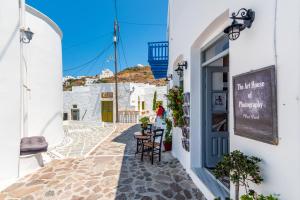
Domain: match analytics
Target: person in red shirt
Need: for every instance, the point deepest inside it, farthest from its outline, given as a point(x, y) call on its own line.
point(160, 112)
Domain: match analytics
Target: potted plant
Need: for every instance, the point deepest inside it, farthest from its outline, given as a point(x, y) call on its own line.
point(241, 169)
point(254, 196)
point(175, 103)
point(168, 136)
point(144, 122)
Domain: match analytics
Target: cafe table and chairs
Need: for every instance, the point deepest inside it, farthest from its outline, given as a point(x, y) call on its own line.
point(153, 146)
point(143, 136)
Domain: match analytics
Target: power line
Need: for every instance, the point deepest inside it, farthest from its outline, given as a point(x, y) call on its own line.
point(141, 24)
point(87, 41)
point(123, 50)
point(95, 63)
point(90, 61)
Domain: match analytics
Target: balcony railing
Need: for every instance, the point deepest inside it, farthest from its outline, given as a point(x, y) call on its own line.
point(158, 58)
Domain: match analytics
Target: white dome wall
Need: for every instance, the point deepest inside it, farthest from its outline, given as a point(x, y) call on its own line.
point(44, 63)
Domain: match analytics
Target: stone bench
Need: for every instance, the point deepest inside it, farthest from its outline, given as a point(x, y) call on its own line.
point(34, 146)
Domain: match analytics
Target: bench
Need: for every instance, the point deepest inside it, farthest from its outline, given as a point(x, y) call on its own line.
point(34, 146)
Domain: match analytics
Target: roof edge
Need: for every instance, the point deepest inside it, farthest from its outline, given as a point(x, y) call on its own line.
point(44, 17)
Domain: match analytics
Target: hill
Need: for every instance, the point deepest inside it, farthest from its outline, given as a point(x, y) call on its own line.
point(136, 75)
point(132, 74)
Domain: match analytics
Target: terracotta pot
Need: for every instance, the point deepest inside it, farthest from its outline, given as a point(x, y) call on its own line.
point(168, 146)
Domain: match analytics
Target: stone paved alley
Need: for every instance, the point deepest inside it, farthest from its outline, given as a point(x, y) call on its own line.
point(110, 172)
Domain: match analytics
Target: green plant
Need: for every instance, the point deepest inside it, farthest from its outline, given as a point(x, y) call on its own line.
point(154, 101)
point(241, 169)
point(145, 121)
point(168, 136)
point(252, 195)
point(175, 103)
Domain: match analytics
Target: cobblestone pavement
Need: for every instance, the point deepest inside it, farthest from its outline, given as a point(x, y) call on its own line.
point(80, 138)
point(107, 175)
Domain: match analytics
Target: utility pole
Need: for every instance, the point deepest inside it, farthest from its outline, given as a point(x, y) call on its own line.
point(116, 69)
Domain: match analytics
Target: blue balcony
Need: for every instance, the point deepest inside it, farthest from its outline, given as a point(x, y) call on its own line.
point(158, 58)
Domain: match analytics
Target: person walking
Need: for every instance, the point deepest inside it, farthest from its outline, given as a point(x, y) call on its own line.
point(160, 114)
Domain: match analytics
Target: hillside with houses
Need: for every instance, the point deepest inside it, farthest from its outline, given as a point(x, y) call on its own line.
point(137, 74)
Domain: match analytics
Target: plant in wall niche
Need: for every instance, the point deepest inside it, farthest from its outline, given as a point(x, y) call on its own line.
point(145, 121)
point(241, 169)
point(175, 103)
point(168, 136)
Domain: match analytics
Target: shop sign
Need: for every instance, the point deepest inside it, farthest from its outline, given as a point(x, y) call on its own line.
point(255, 105)
point(107, 95)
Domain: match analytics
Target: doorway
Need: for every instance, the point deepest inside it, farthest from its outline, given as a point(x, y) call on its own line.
point(216, 115)
point(75, 114)
point(215, 70)
point(107, 111)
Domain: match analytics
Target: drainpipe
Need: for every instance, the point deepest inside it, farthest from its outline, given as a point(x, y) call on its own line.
point(22, 106)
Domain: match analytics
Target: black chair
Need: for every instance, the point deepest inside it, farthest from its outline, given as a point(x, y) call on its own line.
point(153, 146)
point(148, 129)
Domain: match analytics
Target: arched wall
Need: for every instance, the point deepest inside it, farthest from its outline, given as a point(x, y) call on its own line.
point(43, 58)
point(212, 31)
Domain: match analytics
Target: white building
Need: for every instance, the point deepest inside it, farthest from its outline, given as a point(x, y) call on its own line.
point(107, 73)
point(90, 81)
point(196, 36)
point(31, 85)
point(97, 102)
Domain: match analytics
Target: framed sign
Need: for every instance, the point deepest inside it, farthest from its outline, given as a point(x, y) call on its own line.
point(107, 95)
point(219, 101)
point(255, 105)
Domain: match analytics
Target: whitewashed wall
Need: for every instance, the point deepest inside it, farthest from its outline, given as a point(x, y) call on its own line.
point(196, 22)
point(281, 164)
point(43, 59)
point(10, 87)
point(88, 98)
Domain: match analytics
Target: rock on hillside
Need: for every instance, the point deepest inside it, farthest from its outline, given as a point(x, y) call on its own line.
point(136, 75)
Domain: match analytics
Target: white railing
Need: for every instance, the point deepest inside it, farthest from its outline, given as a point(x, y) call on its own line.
point(128, 116)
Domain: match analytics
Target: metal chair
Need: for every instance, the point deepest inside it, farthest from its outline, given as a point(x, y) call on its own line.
point(147, 129)
point(153, 146)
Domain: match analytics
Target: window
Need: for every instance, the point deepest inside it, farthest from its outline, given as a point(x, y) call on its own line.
point(143, 105)
point(65, 116)
point(216, 48)
point(74, 106)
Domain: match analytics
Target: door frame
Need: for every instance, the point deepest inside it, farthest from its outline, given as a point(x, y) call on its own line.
point(206, 102)
point(203, 66)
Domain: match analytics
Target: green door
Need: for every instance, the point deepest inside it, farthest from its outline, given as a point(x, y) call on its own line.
point(107, 111)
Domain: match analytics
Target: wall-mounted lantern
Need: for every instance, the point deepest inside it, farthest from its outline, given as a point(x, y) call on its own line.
point(180, 68)
point(179, 71)
point(183, 64)
point(26, 35)
point(247, 16)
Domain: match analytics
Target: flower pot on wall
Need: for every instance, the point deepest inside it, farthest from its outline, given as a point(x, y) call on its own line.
point(168, 146)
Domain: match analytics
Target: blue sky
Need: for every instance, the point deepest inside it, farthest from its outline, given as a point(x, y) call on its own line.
point(87, 26)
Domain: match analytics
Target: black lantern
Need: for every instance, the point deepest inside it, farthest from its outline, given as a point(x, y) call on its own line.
point(26, 35)
point(247, 16)
point(179, 70)
point(183, 64)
